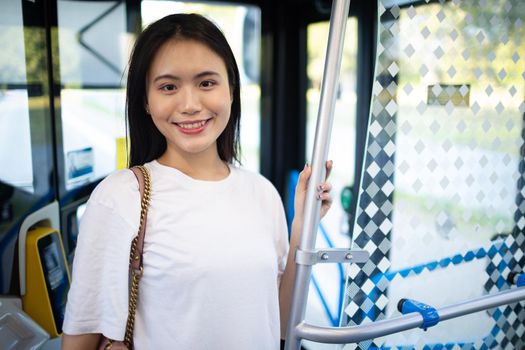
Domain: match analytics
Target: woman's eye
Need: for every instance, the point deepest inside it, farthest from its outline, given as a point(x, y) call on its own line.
point(207, 83)
point(169, 87)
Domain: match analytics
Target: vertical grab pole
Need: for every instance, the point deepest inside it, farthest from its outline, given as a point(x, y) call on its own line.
point(323, 130)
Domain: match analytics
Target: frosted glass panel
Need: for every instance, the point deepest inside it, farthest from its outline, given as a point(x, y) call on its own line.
point(441, 206)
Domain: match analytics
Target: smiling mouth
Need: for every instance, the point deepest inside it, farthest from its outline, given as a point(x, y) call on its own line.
point(192, 125)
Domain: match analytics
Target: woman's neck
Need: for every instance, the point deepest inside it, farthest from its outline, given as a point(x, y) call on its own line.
point(198, 167)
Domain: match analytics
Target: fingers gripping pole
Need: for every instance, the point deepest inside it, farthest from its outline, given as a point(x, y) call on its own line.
point(320, 153)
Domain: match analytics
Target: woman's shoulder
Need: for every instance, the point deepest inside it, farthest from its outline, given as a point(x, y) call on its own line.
point(257, 181)
point(252, 176)
point(119, 187)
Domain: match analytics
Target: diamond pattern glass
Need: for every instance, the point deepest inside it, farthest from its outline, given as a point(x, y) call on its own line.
point(441, 207)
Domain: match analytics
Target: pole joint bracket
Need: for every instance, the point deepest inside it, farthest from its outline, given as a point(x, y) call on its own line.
point(331, 255)
point(429, 313)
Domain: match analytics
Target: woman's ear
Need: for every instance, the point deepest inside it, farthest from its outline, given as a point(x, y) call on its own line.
point(146, 106)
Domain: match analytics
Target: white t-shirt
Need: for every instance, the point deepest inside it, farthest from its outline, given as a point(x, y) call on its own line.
point(213, 255)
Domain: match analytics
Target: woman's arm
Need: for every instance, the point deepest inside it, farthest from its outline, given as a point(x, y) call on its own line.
point(288, 277)
point(80, 342)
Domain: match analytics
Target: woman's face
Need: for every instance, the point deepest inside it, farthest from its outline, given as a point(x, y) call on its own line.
point(189, 97)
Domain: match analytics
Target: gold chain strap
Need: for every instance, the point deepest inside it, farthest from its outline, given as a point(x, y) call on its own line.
point(137, 274)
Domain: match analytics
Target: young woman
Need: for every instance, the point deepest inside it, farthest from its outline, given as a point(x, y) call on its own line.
point(216, 270)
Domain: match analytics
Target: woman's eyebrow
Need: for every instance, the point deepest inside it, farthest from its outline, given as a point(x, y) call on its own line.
point(174, 77)
point(166, 76)
point(206, 73)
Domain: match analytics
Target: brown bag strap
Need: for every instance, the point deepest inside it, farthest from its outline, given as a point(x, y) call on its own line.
point(137, 247)
point(143, 177)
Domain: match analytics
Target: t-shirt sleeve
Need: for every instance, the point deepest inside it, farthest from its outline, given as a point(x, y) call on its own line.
point(282, 244)
point(98, 296)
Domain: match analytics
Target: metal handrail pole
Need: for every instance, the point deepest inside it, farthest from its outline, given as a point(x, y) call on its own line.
point(355, 334)
point(312, 207)
point(482, 303)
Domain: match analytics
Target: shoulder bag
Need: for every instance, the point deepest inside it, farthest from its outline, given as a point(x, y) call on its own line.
point(135, 264)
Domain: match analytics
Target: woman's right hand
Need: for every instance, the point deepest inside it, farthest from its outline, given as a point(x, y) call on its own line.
point(323, 188)
point(80, 342)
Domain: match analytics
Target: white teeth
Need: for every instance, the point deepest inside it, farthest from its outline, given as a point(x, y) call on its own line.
point(192, 125)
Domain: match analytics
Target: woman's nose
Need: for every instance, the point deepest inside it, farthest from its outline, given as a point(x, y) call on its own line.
point(190, 101)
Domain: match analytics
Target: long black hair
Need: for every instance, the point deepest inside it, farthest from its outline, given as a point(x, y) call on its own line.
point(146, 141)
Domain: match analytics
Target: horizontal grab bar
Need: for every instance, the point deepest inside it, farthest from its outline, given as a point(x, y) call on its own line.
point(355, 334)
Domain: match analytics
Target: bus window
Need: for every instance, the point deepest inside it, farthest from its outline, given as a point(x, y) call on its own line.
point(26, 154)
point(17, 167)
point(241, 26)
point(93, 50)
